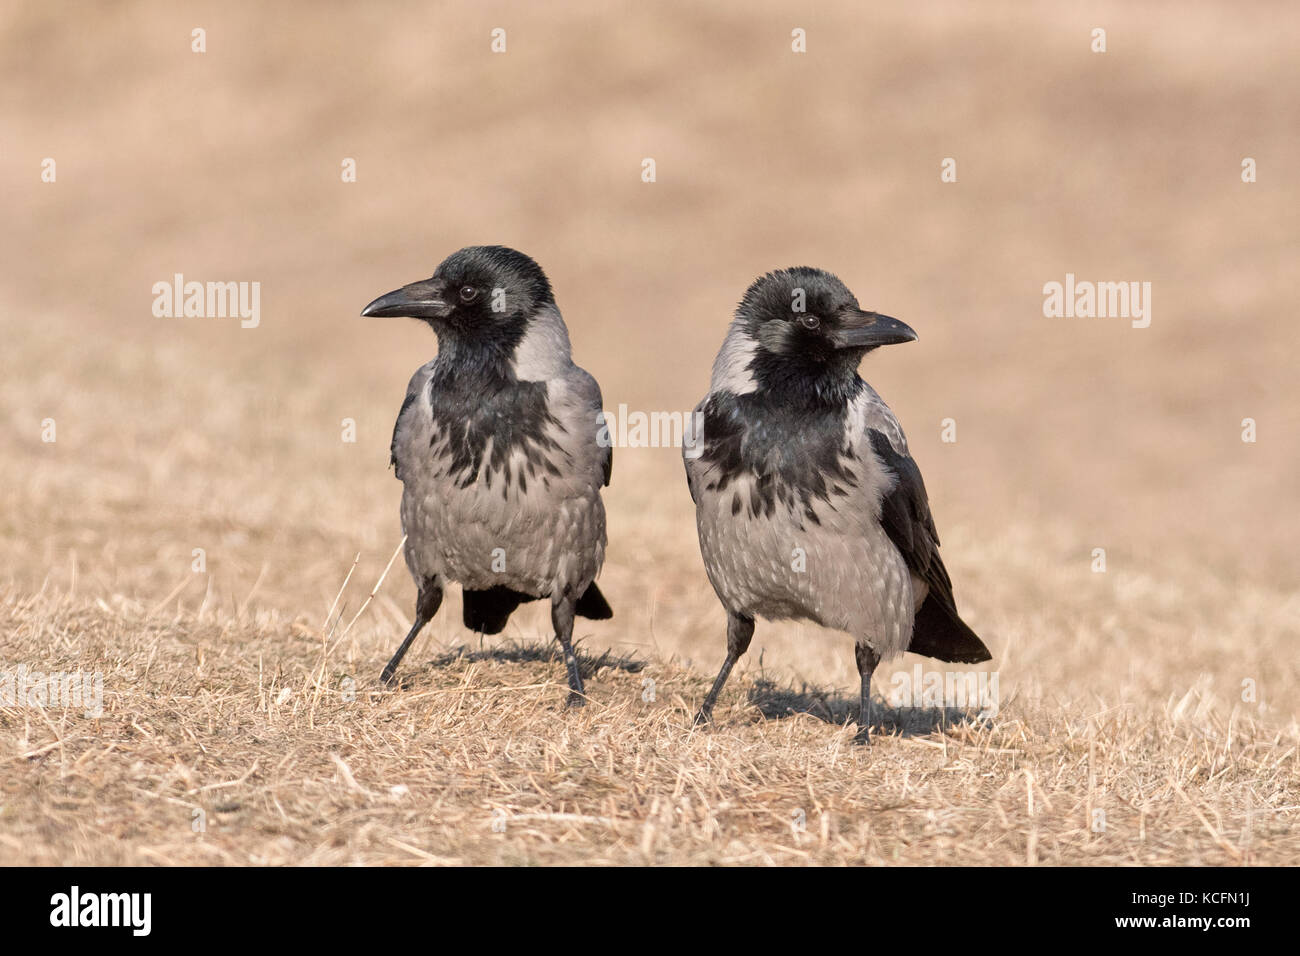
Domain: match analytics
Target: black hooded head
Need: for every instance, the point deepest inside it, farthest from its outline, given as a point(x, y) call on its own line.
point(809, 332)
point(479, 300)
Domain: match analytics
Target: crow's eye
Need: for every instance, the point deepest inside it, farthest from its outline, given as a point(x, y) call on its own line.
point(809, 321)
point(468, 294)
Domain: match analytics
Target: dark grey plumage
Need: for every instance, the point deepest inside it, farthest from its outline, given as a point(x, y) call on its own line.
point(808, 505)
point(496, 447)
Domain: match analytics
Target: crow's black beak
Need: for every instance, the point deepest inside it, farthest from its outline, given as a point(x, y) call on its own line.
point(866, 330)
point(419, 300)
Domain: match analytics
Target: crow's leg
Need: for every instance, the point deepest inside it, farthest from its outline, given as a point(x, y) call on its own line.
point(867, 661)
point(562, 611)
point(426, 606)
point(740, 631)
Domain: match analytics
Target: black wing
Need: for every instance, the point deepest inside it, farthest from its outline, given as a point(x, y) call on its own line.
point(905, 514)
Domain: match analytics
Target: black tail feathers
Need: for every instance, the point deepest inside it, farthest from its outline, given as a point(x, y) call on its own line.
point(940, 633)
point(593, 606)
point(488, 611)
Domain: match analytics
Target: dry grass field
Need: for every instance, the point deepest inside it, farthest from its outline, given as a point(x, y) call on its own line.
point(1147, 714)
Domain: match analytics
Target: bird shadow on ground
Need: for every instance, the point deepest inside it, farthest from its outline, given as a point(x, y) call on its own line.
point(775, 703)
point(513, 653)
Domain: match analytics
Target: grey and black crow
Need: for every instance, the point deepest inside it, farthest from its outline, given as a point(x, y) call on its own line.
point(496, 447)
point(807, 503)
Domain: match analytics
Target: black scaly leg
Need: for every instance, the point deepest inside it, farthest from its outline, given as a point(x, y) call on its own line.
point(562, 611)
point(426, 606)
point(740, 631)
point(867, 661)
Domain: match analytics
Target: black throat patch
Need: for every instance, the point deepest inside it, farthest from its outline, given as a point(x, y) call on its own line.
point(795, 453)
point(495, 427)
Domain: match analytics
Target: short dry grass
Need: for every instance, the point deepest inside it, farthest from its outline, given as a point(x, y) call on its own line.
point(248, 742)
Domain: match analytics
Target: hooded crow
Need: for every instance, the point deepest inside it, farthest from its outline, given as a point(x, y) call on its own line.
point(807, 503)
point(497, 451)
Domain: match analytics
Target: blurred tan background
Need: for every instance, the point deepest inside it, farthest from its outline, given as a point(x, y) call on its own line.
point(1073, 434)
